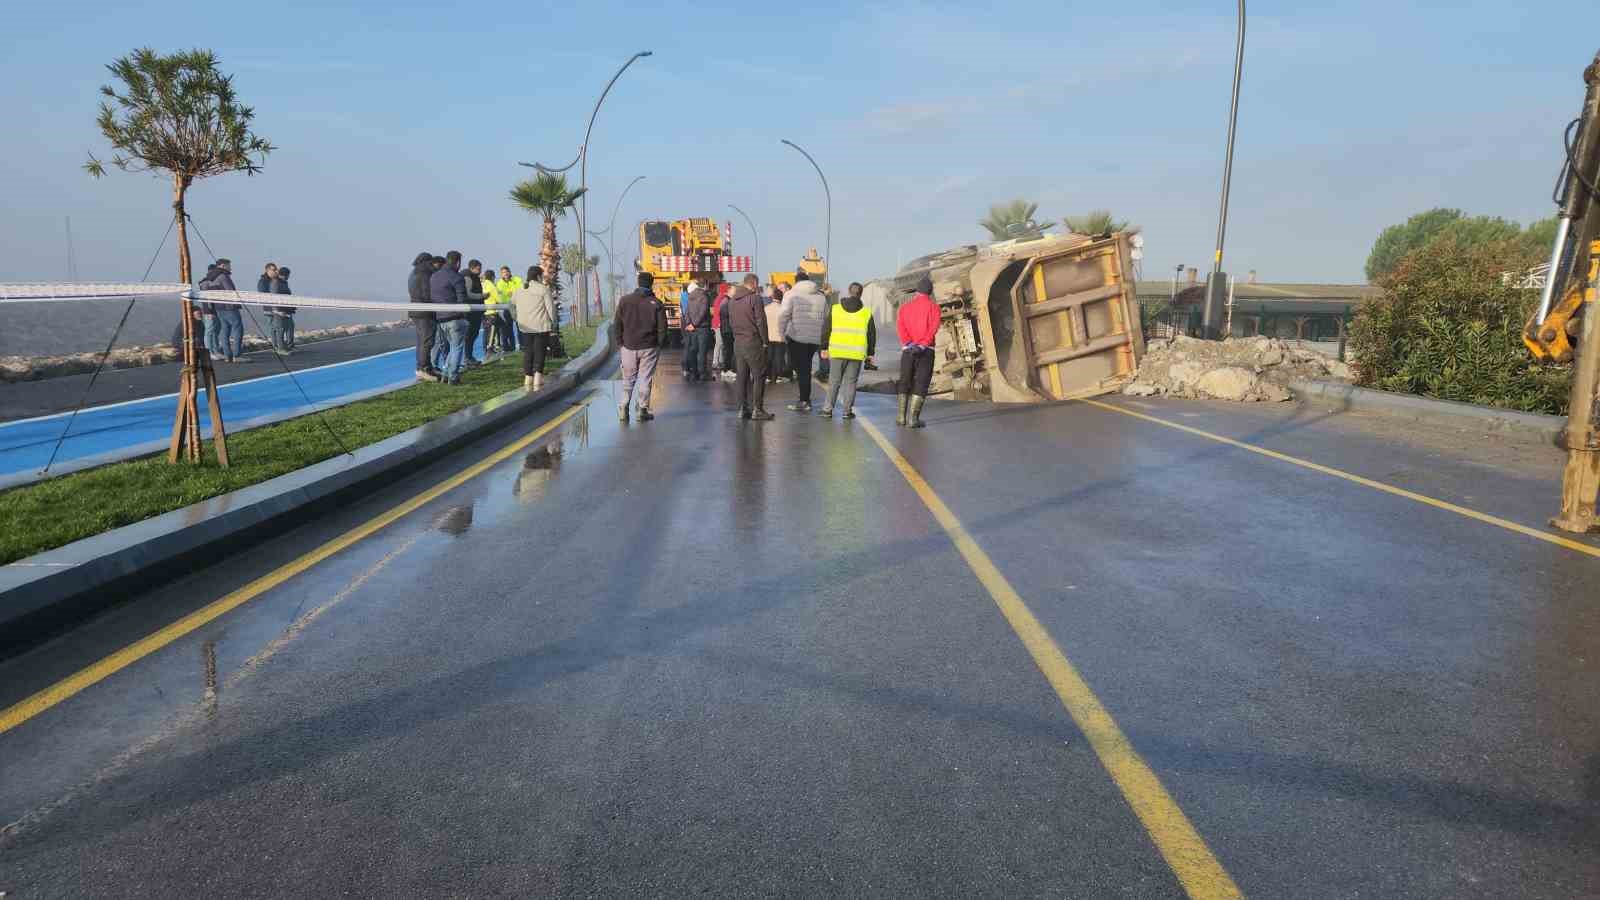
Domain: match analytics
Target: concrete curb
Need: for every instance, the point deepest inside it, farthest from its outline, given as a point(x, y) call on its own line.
point(44, 592)
point(1443, 412)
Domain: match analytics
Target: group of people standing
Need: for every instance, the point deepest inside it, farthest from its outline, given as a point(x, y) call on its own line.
point(742, 328)
point(223, 323)
point(446, 340)
point(275, 280)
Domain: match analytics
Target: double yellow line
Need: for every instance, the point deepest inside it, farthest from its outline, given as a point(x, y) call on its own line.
point(76, 683)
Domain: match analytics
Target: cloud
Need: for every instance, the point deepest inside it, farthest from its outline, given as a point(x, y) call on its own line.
point(954, 182)
point(903, 118)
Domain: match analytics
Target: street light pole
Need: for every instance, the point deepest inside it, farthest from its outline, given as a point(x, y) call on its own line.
point(1217, 286)
point(583, 177)
point(828, 242)
point(611, 269)
point(755, 239)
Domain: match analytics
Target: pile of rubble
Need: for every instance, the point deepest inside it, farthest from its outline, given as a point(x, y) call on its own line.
point(35, 368)
point(1247, 369)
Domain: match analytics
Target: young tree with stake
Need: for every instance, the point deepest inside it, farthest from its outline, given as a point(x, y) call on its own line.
point(177, 116)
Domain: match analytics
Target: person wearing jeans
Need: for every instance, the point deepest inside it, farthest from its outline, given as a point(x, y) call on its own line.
point(448, 285)
point(455, 332)
point(696, 330)
point(507, 285)
point(849, 339)
point(230, 321)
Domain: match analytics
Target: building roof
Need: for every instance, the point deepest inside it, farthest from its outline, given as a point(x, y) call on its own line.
point(1277, 293)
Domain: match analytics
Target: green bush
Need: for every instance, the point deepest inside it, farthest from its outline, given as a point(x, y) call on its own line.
point(1448, 326)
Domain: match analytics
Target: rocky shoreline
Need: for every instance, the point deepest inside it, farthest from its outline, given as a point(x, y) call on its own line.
point(36, 368)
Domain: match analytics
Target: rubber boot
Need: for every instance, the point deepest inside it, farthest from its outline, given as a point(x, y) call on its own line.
point(900, 417)
point(916, 411)
point(538, 381)
point(528, 383)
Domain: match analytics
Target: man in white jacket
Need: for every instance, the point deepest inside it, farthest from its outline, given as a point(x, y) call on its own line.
point(804, 310)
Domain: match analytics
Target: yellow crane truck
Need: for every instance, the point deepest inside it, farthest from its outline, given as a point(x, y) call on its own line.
point(680, 251)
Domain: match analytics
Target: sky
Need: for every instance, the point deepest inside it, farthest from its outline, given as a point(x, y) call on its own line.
point(400, 125)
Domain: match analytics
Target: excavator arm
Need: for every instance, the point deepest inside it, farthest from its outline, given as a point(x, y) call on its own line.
point(1566, 327)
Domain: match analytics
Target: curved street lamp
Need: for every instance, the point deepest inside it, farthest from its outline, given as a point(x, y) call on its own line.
point(755, 239)
point(828, 241)
point(1217, 287)
point(583, 175)
point(610, 268)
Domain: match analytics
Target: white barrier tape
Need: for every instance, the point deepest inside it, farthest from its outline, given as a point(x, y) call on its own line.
point(251, 298)
point(93, 290)
point(41, 291)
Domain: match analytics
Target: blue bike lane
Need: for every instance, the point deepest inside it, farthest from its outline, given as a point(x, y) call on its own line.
point(123, 430)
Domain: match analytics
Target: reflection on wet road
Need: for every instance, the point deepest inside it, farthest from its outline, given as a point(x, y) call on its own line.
point(705, 655)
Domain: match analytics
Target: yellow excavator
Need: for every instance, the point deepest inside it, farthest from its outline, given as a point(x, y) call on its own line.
point(813, 265)
point(1566, 328)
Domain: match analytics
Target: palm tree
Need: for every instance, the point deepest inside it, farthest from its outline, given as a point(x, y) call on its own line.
point(547, 194)
point(1098, 222)
point(1007, 221)
point(573, 264)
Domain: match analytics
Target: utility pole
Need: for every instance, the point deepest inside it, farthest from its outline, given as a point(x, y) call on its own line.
point(1217, 285)
point(1576, 267)
point(755, 240)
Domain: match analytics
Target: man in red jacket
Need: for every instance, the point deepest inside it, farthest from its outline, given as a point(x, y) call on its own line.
point(918, 325)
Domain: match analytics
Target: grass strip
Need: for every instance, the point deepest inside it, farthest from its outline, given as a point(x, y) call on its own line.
point(49, 514)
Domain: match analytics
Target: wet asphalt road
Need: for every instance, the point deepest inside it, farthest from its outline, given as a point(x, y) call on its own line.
point(705, 656)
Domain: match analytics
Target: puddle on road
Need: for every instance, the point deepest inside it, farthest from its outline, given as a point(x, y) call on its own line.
point(542, 464)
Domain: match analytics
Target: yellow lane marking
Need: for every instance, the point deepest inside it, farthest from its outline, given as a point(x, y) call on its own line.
point(116, 662)
point(1496, 521)
point(1201, 875)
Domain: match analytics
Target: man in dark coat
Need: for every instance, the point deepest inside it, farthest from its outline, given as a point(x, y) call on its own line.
point(639, 328)
point(750, 340)
point(427, 328)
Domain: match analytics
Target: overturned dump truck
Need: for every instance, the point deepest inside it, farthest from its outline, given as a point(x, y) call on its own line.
point(1053, 318)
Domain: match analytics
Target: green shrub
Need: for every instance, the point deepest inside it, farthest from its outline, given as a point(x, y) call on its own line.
point(1448, 326)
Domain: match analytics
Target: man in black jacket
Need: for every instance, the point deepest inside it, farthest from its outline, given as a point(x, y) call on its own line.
point(697, 334)
point(446, 285)
point(747, 312)
point(475, 294)
point(280, 285)
point(639, 327)
point(427, 329)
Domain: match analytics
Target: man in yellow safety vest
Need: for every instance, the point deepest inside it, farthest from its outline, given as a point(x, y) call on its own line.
point(849, 339)
point(507, 285)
